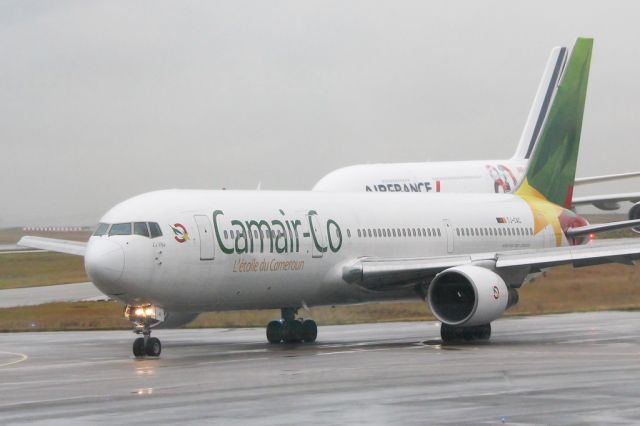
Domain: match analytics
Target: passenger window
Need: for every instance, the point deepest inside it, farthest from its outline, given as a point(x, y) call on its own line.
point(369, 232)
point(394, 232)
point(348, 232)
point(439, 234)
point(226, 235)
point(413, 231)
point(359, 234)
point(140, 228)
point(101, 229)
point(120, 229)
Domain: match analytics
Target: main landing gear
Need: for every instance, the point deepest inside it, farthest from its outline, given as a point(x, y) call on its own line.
point(144, 318)
point(450, 333)
point(291, 330)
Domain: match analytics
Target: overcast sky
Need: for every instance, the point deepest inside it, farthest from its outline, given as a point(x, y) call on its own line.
point(100, 101)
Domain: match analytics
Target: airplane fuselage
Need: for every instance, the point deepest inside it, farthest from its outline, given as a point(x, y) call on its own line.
point(224, 250)
point(491, 176)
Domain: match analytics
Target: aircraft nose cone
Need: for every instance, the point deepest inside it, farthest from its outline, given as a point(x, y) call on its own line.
point(104, 262)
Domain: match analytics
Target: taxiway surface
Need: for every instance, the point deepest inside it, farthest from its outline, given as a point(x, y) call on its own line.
point(556, 369)
point(31, 296)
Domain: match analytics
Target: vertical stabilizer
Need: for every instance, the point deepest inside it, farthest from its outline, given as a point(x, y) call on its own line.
point(541, 102)
point(552, 168)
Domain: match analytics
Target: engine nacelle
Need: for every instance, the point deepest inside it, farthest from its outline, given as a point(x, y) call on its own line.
point(634, 213)
point(469, 295)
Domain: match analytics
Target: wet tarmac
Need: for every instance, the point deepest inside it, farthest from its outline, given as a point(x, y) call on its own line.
point(555, 369)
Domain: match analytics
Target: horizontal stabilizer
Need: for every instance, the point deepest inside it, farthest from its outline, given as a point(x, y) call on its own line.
point(606, 202)
point(602, 227)
point(606, 178)
point(61, 246)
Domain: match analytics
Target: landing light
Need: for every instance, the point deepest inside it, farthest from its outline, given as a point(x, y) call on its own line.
point(144, 313)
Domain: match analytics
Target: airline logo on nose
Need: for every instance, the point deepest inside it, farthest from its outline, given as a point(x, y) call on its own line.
point(181, 232)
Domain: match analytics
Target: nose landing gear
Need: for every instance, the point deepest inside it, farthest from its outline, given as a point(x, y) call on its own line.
point(144, 318)
point(291, 330)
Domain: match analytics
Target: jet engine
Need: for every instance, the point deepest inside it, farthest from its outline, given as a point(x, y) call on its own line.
point(634, 213)
point(469, 295)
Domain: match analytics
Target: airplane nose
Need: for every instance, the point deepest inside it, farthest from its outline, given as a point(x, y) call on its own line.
point(104, 261)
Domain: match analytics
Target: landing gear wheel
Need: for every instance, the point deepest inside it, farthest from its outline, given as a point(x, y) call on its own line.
point(450, 333)
point(309, 331)
point(138, 347)
point(469, 334)
point(274, 332)
point(484, 332)
point(292, 331)
point(153, 347)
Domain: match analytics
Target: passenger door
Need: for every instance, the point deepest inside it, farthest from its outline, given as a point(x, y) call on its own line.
point(448, 231)
point(205, 231)
point(319, 236)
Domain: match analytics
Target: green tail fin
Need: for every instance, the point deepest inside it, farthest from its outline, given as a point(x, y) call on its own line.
point(552, 168)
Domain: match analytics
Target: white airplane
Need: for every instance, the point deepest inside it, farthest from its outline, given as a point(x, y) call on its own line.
point(488, 176)
point(169, 255)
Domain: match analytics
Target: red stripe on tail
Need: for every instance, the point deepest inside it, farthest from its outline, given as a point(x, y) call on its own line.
point(569, 199)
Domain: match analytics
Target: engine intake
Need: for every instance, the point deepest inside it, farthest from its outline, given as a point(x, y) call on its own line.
point(469, 295)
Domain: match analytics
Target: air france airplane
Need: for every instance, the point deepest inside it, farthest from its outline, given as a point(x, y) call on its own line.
point(490, 176)
point(169, 255)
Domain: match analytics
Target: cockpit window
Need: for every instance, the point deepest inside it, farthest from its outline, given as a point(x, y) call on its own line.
point(155, 230)
point(101, 229)
point(140, 228)
point(120, 229)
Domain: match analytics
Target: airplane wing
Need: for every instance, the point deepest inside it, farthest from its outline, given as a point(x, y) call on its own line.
point(605, 178)
point(388, 274)
point(62, 246)
point(606, 202)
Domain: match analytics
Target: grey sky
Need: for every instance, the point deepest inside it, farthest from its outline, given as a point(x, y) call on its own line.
point(102, 101)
